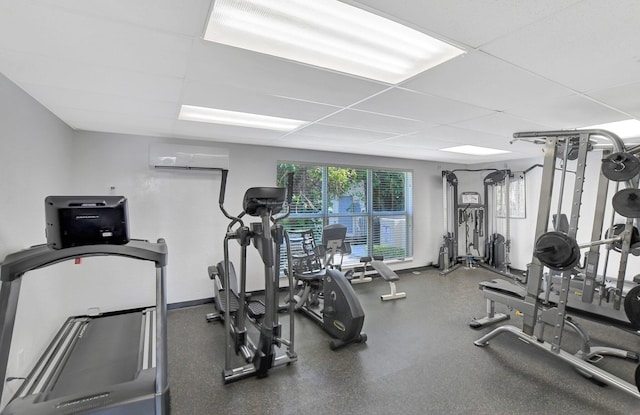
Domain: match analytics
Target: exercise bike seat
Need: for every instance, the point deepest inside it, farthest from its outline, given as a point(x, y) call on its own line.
point(311, 275)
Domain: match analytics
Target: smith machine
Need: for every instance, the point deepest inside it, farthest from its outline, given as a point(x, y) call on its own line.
point(479, 220)
point(559, 285)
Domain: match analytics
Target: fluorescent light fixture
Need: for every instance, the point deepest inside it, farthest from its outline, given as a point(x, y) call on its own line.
point(623, 129)
point(475, 150)
point(241, 119)
point(329, 34)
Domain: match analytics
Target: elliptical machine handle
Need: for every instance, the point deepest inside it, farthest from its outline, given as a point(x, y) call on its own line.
point(289, 196)
point(289, 187)
point(223, 186)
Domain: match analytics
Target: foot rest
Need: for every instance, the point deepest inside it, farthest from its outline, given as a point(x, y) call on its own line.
point(223, 302)
point(212, 271)
point(256, 309)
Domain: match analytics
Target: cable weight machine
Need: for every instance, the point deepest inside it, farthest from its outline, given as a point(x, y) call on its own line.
point(483, 245)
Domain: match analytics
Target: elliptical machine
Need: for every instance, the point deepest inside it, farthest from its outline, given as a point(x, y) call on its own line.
point(235, 307)
point(326, 296)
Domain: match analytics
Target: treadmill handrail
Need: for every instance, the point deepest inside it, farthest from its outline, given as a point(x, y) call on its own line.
point(18, 263)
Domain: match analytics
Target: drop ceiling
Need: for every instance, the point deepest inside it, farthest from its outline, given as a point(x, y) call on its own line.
point(125, 66)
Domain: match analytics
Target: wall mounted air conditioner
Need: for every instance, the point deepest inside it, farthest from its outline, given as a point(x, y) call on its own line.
point(179, 156)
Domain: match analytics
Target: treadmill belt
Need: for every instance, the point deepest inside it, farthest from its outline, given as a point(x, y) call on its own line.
point(106, 353)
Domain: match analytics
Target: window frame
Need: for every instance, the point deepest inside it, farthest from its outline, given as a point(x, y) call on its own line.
point(370, 216)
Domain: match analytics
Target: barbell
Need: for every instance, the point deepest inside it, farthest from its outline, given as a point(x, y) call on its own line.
point(560, 252)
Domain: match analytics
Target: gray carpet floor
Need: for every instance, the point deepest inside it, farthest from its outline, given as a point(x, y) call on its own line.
point(419, 359)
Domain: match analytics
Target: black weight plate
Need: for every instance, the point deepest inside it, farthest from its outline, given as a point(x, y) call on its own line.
point(626, 202)
point(557, 250)
point(620, 167)
point(632, 306)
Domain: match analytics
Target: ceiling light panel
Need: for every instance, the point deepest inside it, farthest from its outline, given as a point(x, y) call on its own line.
point(474, 150)
point(240, 119)
point(328, 34)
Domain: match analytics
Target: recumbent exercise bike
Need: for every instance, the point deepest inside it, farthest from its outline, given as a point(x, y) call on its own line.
point(325, 294)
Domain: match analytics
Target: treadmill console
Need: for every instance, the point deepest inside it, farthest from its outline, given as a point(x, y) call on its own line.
point(86, 220)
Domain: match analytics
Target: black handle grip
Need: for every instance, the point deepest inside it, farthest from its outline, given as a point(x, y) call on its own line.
point(223, 186)
point(289, 187)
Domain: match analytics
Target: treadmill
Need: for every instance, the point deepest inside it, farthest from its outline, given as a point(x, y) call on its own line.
point(111, 363)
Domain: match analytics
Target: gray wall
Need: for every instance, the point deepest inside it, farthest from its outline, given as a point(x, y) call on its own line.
point(182, 206)
point(35, 151)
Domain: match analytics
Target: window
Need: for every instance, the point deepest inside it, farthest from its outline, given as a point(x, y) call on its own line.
point(516, 197)
point(374, 205)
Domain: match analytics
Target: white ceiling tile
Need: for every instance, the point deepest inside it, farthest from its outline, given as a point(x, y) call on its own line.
point(80, 119)
point(108, 104)
point(333, 135)
point(592, 45)
point(404, 103)
point(188, 18)
point(482, 80)
point(502, 124)
point(624, 98)
point(471, 22)
point(215, 63)
point(39, 70)
point(459, 136)
point(375, 122)
point(225, 97)
point(421, 140)
point(126, 67)
point(574, 111)
point(225, 133)
point(442, 137)
point(61, 35)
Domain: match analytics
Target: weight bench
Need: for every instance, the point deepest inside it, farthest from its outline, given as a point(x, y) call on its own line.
point(362, 271)
point(503, 292)
point(391, 277)
point(513, 296)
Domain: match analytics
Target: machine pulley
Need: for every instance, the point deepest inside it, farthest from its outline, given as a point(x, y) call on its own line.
point(620, 167)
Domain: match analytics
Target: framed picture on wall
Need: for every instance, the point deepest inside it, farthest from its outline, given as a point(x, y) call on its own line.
point(516, 198)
